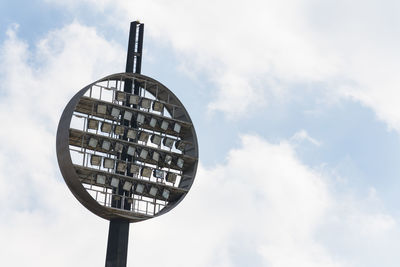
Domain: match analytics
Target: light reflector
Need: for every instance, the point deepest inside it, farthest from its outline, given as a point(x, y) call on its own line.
point(140, 118)
point(143, 136)
point(164, 125)
point(143, 153)
point(120, 96)
point(153, 191)
point(165, 193)
point(180, 145)
point(157, 106)
point(134, 169)
point(127, 115)
point(131, 134)
point(121, 166)
point(156, 139)
point(95, 160)
point(168, 142)
point(127, 186)
point(179, 163)
point(93, 142)
point(119, 130)
point(93, 124)
point(108, 163)
point(146, 172)
point(118, 147)
point(139, 188)
point(101, 179)
point(106, 145)
point(106, 127)
point(134, 99)
point(171, 177)
point(114, 182)
point(158, 174)
point(115, 112)
point(146, 103)
point(168, 159)
point(156, 156)
point(101, 109)
point(153, 122)
point(131, 151)
point(177, 127)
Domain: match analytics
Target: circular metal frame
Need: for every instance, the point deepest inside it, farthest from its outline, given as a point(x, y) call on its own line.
point(78, 178)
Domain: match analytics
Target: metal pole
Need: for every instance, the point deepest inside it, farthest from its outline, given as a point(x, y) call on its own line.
point(118, 233)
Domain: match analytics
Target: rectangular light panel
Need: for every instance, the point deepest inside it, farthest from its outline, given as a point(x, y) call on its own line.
point(101, 179)
point(101, 109)
point(114, 182)
point(134, 99)
point(93, 124)
point(146, 172)
point(108, 163)
point(106, 127)
point(95, 160)
point(132, 134)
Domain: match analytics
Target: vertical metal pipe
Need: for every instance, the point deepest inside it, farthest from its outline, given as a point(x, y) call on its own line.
point(118, 232)
point(117, 246)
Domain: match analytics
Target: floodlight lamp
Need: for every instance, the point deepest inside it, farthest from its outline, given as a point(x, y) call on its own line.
point(106, 127)
point(93, 142)
point(146, 172)
point(134, 99)
point(127, 186)
point(177, 128)
point(127, 115)
point(143, 154)
point(100, 179)
point(102, 109)
point(114, 182)
point(115, 112)
point(156, 156)
point(165, 194)
point(158, 174)
point(164, 125)
point(95, 160)
point(143, 136)
point(121, 166)
point(134, 169)
point(180, 145)
point(139, 188)
point(171, 177)
point(156, 139)
point(168, 159)
point(106, 145)
point(118, 147)
point(140, 118)
point(119, 130)
point(120, 96)
point(179, 163)
point(153, 122)
point(131, 151)
point(132, 134)
point(157, 106)
point(93, 124)
point(153, 191)
point(168, 142)
point(146, 103)
point(108, 163)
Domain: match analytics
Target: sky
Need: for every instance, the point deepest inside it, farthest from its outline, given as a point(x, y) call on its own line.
point(295, 105)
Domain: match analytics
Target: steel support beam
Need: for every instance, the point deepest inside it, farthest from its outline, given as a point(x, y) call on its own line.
point(117, 247)
point(118, 233)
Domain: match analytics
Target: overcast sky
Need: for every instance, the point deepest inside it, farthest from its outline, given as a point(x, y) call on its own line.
point(296, 108)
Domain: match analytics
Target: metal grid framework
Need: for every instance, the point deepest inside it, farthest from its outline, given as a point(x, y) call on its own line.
point(136, 155)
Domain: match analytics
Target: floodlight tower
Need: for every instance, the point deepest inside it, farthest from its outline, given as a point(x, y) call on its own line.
point(127, 148)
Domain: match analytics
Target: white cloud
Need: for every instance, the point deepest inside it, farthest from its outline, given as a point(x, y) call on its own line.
point(263, 207)
point(256, 51)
